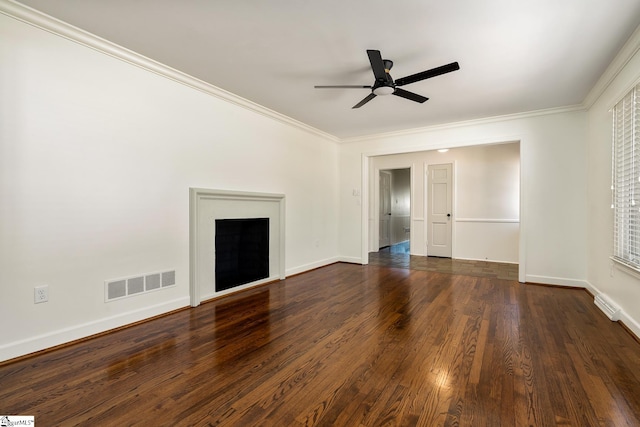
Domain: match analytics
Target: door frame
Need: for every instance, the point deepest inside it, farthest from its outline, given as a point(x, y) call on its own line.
point(371, 208)
point(365, 217)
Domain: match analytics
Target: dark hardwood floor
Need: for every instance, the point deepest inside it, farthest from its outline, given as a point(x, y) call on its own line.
point(398, 256)
point(348, 345)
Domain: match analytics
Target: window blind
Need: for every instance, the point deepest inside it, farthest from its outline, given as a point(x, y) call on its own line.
point(626, 179)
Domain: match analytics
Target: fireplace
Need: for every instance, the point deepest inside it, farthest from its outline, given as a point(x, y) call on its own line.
point(242, 251)
point(252, 224)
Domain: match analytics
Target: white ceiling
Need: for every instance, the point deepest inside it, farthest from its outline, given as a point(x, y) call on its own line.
point(515, 56)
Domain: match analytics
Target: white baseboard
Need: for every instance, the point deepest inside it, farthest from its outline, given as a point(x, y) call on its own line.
point(592, 289)
point(630, 323)
point(66, 335)
point(351, 260)
point(486, 260)
point(311, 266)
point(557, 281)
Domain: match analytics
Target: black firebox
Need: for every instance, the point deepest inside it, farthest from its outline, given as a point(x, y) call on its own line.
point(242, 251)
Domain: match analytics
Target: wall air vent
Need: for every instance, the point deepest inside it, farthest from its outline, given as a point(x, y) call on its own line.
point(152, 281)
point(116, 289)
point(611, 310)
point(136, 285)
point(168, 278)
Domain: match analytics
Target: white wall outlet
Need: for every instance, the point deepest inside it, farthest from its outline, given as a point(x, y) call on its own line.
point(41, 294)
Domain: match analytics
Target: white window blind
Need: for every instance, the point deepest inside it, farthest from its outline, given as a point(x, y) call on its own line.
point(626, 179)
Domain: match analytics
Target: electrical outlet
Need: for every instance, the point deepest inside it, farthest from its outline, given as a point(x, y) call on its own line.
point(41, 294)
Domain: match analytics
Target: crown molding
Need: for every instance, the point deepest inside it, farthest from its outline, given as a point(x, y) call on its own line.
point(475, 122)
point(33, 17)
point(623, 57)
point(60, 28)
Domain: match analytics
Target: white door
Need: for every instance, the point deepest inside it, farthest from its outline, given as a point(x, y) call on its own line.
point(384, 236)
point(439, 210)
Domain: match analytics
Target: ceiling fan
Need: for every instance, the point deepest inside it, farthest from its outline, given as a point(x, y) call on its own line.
point(385, 85)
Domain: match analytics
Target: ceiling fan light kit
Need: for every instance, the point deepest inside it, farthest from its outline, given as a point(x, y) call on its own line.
point(384, 83)
point(383, 90)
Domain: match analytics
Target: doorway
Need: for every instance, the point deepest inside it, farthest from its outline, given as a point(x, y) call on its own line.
point(486, 199)
point(394, 209)
point(384, 239)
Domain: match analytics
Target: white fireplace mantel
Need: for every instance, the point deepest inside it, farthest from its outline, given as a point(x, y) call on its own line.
point(205, 206)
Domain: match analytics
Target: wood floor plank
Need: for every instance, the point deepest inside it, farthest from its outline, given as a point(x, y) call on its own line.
point(349, 345)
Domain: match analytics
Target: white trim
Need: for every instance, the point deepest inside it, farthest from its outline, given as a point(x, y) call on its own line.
point(197, 194)
point(312, 266)
point(486, 260)
point(436, 145)
point(454, 208)
point(488, 220)
point(591, 288)
point(364, 210)
point(623, 317)
point(60, 28)
point(352, 260)
point(629, 322)
point(218, 294)
point(522, 235)
point(76, 332)
point(625, 54)
point(624, 92)
point(464, 123)
point(625, 267)
point(557, 281)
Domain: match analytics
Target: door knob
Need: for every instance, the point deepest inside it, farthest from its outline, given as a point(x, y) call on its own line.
point(448, 215)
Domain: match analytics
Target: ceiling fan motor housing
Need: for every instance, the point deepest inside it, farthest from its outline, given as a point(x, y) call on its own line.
point(384, 86)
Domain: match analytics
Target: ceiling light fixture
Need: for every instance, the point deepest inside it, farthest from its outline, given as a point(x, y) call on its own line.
point(443, 150)
point(383, 90)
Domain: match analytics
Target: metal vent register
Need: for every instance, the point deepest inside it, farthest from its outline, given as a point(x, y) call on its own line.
point(136, 285)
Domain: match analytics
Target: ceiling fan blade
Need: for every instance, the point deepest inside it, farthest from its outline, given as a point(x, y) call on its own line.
point(428, 74)
point(377, 65)
point(364, 101)
point(410, 95)
point(343, 87)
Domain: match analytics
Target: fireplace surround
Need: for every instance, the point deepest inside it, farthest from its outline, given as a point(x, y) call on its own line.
point(209, 206)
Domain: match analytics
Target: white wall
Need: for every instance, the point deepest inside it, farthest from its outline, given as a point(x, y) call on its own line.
point(605, 276)
point(487, 202)
point(486, 199)
point(553, 196)
point(96, 160)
